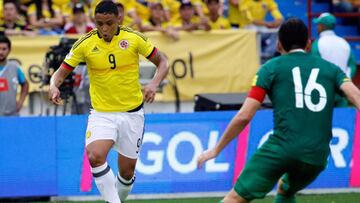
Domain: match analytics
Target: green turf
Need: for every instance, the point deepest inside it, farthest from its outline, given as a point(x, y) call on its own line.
point(328, 198)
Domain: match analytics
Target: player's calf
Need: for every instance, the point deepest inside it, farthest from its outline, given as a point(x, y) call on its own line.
point(104, 179)
point(124, 186)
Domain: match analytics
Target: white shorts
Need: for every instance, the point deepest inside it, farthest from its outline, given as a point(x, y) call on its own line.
point(124, 128)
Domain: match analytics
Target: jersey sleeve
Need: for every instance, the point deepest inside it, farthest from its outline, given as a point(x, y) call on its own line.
point(76, 54)
point(352, 64)
point(245, 9)
point(21, 76)
point(146, 48)
point(274, 9)
point(340, 77)
point(263, 78)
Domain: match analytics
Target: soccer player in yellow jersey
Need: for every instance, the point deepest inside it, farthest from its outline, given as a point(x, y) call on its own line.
point(111, 53)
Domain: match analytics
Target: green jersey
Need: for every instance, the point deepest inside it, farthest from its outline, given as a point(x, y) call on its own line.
point(302, 88)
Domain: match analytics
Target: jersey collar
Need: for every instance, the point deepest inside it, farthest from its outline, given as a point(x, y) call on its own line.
point(297, 50)
point(327, 33)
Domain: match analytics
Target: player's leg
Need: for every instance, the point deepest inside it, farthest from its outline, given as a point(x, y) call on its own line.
point(128, 145)
point(126, 176)
point(281, 194)
point(300, 176)
point(100, 138)
point(260, 174)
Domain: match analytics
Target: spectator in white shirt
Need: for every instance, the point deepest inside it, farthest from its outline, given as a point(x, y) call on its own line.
point(333, 48)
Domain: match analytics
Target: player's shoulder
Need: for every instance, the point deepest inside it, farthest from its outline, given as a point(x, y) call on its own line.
point(13, 63)
point(132, 33)
point(273, 62)
point(86, 38)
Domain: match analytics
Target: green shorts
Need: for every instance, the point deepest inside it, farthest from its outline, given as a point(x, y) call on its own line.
point(266, 167)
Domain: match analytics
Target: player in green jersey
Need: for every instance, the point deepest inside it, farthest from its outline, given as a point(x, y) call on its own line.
point(302, 89)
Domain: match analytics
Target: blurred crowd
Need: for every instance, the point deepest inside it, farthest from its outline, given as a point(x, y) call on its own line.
point(345, 6)
point(51, 17)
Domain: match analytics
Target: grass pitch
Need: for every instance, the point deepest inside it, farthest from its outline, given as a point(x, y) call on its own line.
point(324, 198)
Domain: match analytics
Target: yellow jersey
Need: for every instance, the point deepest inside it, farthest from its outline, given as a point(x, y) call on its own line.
point(257, 10)
point(113, 68)
point(179, 22)
point(220, 24)
point(61, 3)
point(173, 7)
point(46, 13)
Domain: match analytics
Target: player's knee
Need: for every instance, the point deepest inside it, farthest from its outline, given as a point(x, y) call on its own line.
point(95, 158)
point(282, 191)
point(127, 174)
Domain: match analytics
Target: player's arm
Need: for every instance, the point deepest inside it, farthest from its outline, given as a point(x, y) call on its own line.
point(72, 59)
point(352, 93)
point(161, 62)
point(56, 80)
point(23, 91)
point(237, 124)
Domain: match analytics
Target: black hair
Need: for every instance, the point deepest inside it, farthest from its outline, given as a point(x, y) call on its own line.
point(16, 3)
point(293, 34)
point(186, 5)
point(108, 7)
point(120, 5)
point(209, 1)
point(4, 39)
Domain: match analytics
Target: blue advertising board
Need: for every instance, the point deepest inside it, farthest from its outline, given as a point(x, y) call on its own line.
point(171, 145)
point(337, 173)
point(27, 157)
point(167, 162)
point(45, 155)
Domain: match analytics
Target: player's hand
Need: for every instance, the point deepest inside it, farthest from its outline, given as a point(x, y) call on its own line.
point(205, 156)
point(150, 92)
point(54, 95)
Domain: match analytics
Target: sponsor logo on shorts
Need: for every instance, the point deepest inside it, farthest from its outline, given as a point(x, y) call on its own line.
point(88, 134)
point(138, 144)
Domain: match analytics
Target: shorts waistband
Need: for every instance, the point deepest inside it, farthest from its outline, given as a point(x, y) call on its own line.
point(136, 109)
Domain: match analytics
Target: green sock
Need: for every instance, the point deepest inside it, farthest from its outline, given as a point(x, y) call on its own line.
point(284, 199)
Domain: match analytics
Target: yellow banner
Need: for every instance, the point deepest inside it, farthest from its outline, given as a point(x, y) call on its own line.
point(200, 62)
point(209, 62)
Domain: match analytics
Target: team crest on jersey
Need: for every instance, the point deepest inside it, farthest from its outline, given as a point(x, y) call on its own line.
point(123, 44)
